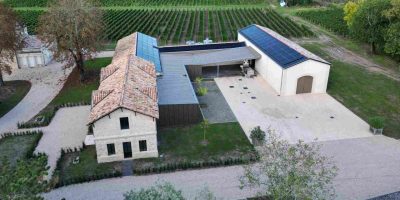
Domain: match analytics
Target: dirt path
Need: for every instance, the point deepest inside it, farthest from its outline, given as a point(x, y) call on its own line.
point(340, 53)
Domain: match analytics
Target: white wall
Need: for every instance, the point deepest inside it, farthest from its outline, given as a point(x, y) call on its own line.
point(141, 127)
point(319, 71)
point(266, 67)
point(34, 59)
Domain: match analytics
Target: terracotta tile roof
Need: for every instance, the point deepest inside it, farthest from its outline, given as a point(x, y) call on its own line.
point(128, 82)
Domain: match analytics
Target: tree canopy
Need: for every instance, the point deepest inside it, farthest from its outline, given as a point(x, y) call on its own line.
point(11, 39)
point(392, 35)
point(72, 30)
point(290, 171)
point(25, 180)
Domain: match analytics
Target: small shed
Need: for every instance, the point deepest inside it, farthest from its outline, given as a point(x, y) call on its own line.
point(287, 67)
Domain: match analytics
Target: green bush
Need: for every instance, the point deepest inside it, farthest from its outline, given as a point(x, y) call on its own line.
point(377, 122)
point(257, 135)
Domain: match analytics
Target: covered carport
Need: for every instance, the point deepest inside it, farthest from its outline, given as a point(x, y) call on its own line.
point(214, 63)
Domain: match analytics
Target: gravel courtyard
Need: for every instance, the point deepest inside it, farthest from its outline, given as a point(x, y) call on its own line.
point(214, 106)
point(305, 117)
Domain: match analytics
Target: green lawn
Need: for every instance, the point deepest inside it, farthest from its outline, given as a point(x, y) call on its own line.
point(87, 166)
point(17, 147)
point(183, 144)
point(366, 93)
point(75, 91)
point(11, 94)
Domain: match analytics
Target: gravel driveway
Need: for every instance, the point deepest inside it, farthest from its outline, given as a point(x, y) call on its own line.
point(46, 83)
point(368, 167)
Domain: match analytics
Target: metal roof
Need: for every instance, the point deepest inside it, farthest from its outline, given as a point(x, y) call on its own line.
point(146, 48)
point(175, 87)
point(281, 50)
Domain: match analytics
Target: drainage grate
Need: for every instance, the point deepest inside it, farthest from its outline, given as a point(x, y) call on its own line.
point(241, 93)
point(240, 79)
point(297, 117)
point(245, 88)
point(253, 98)
point(231, 86)
point(248, 92)
point(243, 102)
point(332, 117)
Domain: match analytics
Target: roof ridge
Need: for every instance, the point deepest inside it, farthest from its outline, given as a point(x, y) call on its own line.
point(148, 95)
point(99, 95)
point(104, 76)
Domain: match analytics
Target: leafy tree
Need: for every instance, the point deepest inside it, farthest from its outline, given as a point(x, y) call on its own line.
point(291, 171)
point(350, 8)
point(11, 39)
point(369, 24)
point(392, 35)
point(72, 30)
point(161, 191)
point(24, 180)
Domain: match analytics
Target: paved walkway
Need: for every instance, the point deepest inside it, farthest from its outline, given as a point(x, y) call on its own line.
point(46, 83)
point(368, 167)
point(214, 106)
point(67, 130)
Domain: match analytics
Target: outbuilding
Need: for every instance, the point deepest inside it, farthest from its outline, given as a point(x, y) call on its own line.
point(33, 53)
point(287, 67)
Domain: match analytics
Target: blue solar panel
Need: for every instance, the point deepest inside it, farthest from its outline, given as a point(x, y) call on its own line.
point(198, 47)
point(275, 49)
point(146, 48)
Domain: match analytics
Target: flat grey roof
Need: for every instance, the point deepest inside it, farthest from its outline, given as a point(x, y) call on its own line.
point(175, 87)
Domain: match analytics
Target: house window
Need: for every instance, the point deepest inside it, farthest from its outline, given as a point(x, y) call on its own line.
point(111, 149)
point(142, 145)
point(124, 122)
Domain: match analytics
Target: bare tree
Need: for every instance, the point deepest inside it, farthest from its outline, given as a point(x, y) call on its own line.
point(10, 39)
point(290, 171)
point(72, 30)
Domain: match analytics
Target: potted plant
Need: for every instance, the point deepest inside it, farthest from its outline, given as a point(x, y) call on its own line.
point(376, 125)
point(257, 136)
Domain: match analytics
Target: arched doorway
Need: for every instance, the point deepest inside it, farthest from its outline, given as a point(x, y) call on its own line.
point(304, 84)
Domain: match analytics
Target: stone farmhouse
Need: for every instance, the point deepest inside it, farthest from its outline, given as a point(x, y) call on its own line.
point(147, 86)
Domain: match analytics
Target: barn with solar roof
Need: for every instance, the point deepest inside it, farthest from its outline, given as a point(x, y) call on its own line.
point(288, 68)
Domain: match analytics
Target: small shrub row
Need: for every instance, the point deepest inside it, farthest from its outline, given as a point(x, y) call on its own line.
point(47, 119)
point(95, 177)
point(38, 135)
point(170, 167)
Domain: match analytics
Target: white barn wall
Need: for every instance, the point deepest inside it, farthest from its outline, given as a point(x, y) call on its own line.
point(141, 127)
point(266, 67)
point(319, 71)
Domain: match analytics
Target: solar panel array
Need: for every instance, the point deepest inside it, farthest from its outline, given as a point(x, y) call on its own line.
point(146, 48)
point(197, 47)
point(275, 49)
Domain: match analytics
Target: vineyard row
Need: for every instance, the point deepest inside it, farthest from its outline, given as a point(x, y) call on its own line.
point(178, 26)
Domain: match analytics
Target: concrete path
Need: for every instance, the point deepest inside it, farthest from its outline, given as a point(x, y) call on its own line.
point(67, 130)
point(46, 83)
point(368, 167)
point(305, 117)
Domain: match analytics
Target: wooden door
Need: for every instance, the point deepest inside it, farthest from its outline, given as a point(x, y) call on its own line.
point(127, 147)
point(304, 84)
